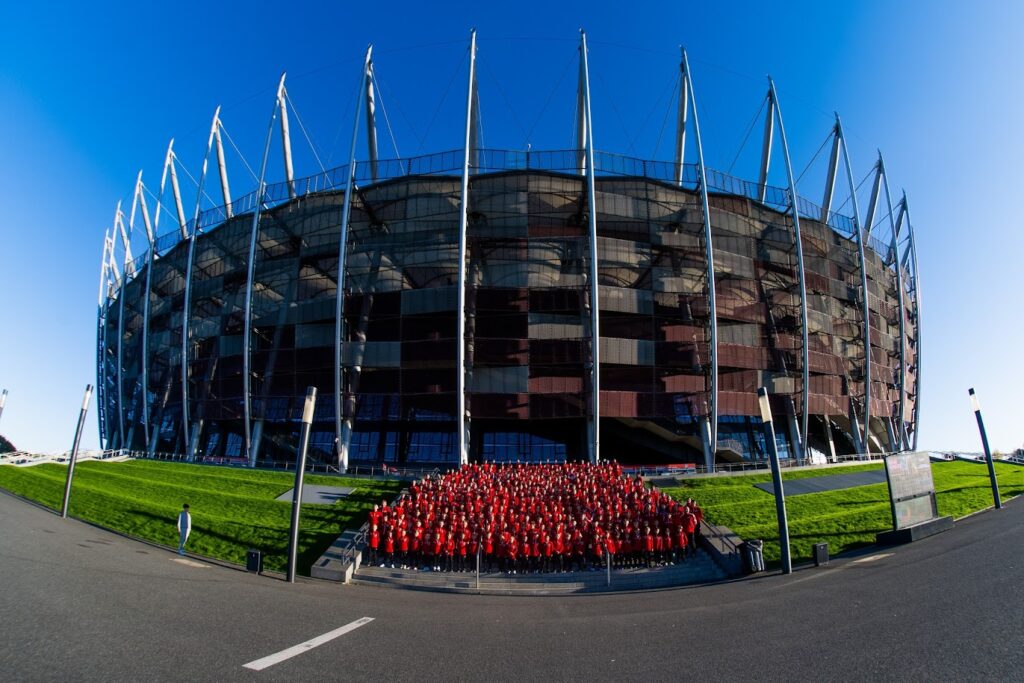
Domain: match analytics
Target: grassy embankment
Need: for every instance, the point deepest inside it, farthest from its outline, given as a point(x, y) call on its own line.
point(844, 519)
point(232, 509)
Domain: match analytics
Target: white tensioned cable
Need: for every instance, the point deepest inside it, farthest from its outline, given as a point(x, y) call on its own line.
point(437, 110)
point(309, 142)
point(239, 153)
point(828, 138)
point(195, 182)
point(480, 119)
point(857, 189)
point(615, 109)
point(547, 102)
point(405, 117)
point(668, 111)
point(384, 110)
point(160, 204)
point(504, 95)
point(746, 136)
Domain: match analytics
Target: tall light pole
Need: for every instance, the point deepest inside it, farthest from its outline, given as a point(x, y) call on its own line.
point(780, 496)
point(3, 401)
point(74, 451)
point(988, 453)
point(300, 469)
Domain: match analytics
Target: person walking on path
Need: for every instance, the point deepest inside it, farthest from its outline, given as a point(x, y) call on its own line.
point(184, 527)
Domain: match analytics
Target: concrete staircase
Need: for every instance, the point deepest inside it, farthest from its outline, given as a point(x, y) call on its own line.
point(341, 559)
point(698, 569)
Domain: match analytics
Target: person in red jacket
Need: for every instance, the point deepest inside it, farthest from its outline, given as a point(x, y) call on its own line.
point(415, 546)
point(374, 544)
point(389, 549)
point(449, 552)
point(511, 553)
point(659, 545)
point(462, 548)
point(488, 551)
point(436, 548)
point(578, 548)
point(403, 548)
point(690, 524)
point(610, 547)
point(648, 547)
point(681, 541)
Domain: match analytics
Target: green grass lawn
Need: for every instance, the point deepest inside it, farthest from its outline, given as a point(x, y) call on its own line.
point(844, 519)
point(232, 509)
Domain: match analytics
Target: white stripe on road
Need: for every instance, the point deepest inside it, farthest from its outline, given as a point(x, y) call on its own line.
point(190, 563)
point(872, 558)
point(271, 660)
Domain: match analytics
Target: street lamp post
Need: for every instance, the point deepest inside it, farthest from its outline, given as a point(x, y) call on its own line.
point(988, 453)
point(74, 451)
point(780, 496)
point(300, 469)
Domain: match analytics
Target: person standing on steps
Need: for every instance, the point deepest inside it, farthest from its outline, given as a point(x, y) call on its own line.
point(184, 527)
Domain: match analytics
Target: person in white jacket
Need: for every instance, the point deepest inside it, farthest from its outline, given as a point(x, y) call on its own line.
point(184, 527)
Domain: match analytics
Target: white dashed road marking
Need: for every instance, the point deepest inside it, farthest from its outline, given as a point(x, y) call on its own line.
point(872, 558)
point(190, 563)
point(271, 660)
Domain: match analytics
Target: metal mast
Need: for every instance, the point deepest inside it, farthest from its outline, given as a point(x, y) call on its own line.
point(175, 189)
point(192, 435)
point(343, 422)
point(139, 201)
point(896, 226)
point(841, 141)
point(595, 305)
point(222, 166)
point(681, 116)
point(766, 147)
point(286, 139)
point(261, 187)
point(118, 375)
point(709, 256)
point(795, 213)
point(917, 321)
point(460, 335)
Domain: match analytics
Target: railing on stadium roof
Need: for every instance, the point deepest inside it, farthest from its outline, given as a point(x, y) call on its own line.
point(496, 161)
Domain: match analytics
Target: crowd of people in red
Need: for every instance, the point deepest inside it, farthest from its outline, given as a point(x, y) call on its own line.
point(532, 518)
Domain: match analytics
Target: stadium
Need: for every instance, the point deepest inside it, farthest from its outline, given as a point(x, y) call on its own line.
point(481, 305)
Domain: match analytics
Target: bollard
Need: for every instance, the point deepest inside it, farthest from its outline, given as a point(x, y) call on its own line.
point(300, 468)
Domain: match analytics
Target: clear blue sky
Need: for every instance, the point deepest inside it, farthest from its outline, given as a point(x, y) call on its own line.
point(91, 92)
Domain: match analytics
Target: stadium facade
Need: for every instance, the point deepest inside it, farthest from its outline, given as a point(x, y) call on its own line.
point(504, 305)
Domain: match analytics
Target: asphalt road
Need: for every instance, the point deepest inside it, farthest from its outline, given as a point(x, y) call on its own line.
point(79, 603)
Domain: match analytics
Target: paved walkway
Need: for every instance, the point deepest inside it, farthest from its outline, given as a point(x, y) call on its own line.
point(82, 604)
point(835, 482)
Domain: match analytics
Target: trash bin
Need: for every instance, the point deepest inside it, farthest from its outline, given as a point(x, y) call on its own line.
point(820, 554)
point(753, 556)
point(253, 561)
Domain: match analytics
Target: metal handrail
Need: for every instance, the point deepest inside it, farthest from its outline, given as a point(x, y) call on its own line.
point(732, 547)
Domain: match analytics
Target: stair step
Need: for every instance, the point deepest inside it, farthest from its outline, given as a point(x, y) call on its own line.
point(698, 569)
